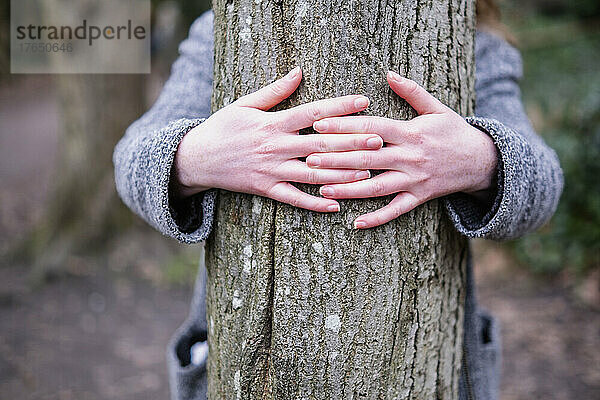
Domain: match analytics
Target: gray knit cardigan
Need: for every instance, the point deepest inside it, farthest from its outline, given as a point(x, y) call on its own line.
point(529, 183)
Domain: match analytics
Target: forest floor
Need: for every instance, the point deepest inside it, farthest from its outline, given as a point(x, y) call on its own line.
point(99, 329)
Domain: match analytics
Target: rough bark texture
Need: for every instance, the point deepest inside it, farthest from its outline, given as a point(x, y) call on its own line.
point(300, 305)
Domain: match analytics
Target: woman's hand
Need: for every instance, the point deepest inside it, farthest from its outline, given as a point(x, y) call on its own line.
point(432, 155)
point(244, 148)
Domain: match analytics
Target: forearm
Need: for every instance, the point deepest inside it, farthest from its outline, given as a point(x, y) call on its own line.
point(529, 179)
point(145, 156)
point(529, 183)
point(525, 192)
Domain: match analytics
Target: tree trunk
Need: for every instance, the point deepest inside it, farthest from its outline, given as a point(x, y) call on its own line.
point(83, 208)
point(301, 305)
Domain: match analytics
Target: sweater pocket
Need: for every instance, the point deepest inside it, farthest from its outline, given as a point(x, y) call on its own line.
point(187, 378)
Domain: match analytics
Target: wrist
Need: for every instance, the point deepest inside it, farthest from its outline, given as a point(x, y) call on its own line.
point(486, 154)
point(188, 176)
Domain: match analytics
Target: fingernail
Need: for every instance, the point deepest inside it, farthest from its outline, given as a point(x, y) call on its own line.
point(395, 76)
point(374, 143)
point(313, 161)
point(333, 207)
point(361, 102)
point(363, 175)
point(320, 125)
point(293, 74)
point(360, 224)
point(326, 191)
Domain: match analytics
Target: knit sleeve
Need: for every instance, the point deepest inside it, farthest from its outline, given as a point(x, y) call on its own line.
point(143, 158)
point(529, 179)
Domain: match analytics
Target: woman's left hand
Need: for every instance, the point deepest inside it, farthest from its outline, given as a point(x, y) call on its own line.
point(432, 155)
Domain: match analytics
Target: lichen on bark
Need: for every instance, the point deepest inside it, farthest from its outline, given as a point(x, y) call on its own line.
point(300, 304)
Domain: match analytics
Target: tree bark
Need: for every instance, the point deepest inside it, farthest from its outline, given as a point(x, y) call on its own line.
point(300, 304)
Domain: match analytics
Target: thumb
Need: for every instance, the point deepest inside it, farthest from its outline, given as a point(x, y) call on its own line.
point(420, 99)
point(274, 93)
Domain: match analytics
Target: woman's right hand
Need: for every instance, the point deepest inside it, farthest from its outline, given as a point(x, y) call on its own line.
point(244, 148)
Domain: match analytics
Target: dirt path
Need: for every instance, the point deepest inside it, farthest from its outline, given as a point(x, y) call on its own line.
point(86, 337)
point(551, 342)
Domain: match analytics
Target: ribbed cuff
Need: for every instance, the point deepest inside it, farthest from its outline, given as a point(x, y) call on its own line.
point(493, 220)
point(190, 220)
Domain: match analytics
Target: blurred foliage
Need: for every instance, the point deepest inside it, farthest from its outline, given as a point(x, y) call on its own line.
point(560, 44)
point(561, 8)
point(181, 268)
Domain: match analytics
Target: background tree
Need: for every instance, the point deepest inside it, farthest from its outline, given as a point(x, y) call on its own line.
point(300, 302)
point(83, 207)
point(83, 211)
